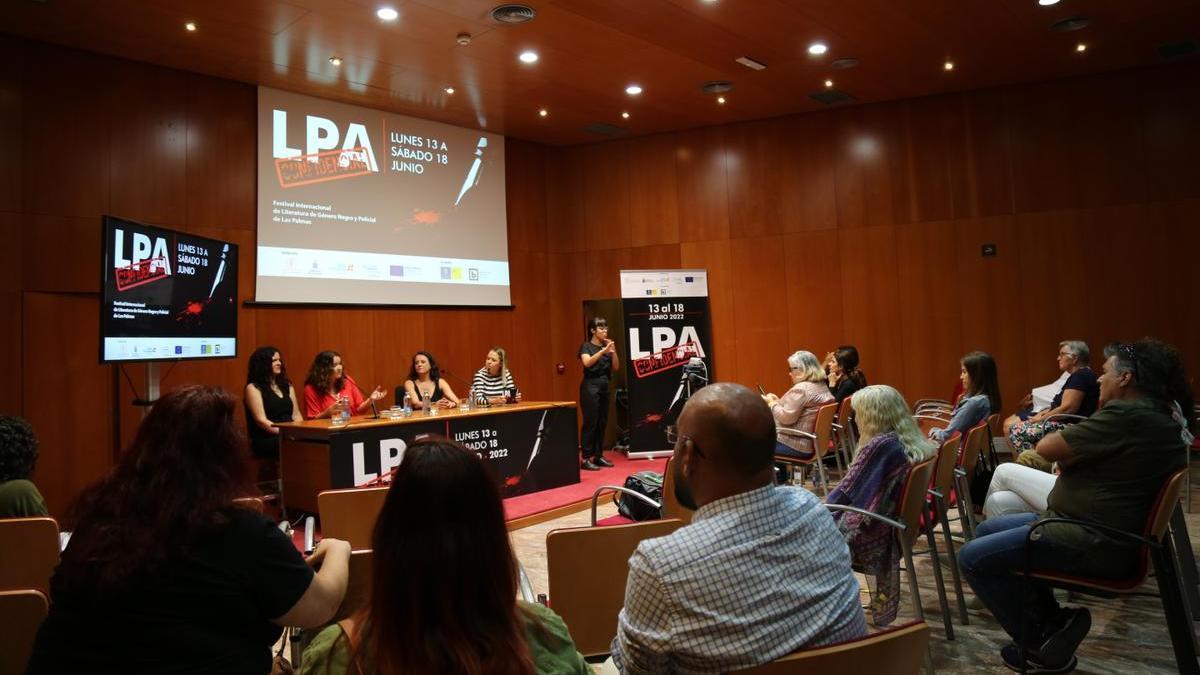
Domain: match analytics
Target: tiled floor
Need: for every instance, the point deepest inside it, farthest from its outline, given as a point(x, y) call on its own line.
point(1128, 635)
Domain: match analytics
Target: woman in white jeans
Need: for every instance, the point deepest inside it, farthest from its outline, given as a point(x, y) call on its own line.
point(1017, 488)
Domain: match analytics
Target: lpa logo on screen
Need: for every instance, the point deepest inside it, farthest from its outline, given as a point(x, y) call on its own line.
point(140, 260)
point(323, 159)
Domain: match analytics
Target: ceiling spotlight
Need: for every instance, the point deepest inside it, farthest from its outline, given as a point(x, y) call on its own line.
point(817, 48)
point(624, 115)
point(1081, 47)
point(387, 14)
point(543, 112)
point(335, 60)
point(190, 26)
point(633, 90)
point(528, 56)
point(721, 100)
point(1047, 3)
point(828, 84)
point(449, 90)
point(949, 65)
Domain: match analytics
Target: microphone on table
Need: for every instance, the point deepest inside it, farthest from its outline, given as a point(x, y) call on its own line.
point(458, 380)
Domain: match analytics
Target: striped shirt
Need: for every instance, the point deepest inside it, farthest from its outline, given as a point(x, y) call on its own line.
point(485, 386)
point(755, 576)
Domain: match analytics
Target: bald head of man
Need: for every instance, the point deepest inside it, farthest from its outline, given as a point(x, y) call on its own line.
point(725, 445)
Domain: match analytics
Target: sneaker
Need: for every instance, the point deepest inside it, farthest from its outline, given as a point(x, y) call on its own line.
point(1063, 637)
point(603, 462)
point(1012, 660)
point(589, 466)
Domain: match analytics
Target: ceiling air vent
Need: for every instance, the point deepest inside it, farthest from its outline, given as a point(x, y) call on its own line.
point(513, 14)
point(1072, 24)
point(1178, 50)
point(716, 87)
point(844, 63)
point(831, 97)
point(602, 129)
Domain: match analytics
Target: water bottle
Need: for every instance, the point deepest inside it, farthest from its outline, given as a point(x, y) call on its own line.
point(407, 405)
point(426, 401)
point(465, 404)
point(345, 409)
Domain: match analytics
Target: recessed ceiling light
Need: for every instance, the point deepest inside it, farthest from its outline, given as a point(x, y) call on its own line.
point(1047, 3)
point(721, 100)
point(190, 26)
point(335, 60)
point(633, 90)
point(449, 90)
point(949, 65)
point(528, 56)
point(543, 112)
point(1081, 47)
point(624, 115)
point(828, 84)
point(817, 48)
point(387, 14)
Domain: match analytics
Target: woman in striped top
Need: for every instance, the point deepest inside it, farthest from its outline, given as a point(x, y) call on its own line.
point(493, 379)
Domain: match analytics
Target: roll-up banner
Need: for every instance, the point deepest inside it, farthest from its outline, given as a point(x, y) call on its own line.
point(667, 350)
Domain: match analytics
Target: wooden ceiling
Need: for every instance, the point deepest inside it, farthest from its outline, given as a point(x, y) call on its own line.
point(591, 49)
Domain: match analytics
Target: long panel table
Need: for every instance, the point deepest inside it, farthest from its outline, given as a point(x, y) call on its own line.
point(527, 447)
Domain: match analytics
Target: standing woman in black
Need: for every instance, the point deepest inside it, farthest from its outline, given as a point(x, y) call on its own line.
point(270, 399)
point(599, 358)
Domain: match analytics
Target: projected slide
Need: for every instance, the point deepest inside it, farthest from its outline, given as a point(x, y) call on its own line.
point(366, 207)
point(166, 294)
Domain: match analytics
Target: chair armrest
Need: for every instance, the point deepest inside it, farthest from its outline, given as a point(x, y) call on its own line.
point(922, 401)
point(623, 490)
point(795, 432)
point(524, 585)
point(1065, 416)
point(932, 418)
point(870, 514)
point(1092, 525)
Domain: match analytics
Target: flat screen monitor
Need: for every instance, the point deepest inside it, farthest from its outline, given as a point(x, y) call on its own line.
point(166, 295)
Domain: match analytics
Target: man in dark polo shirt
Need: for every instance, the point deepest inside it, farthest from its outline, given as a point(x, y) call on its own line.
point(1112, 467)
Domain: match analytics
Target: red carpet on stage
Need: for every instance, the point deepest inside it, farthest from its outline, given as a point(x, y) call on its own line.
point(546, 500)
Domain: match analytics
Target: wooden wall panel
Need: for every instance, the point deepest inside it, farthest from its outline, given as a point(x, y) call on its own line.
point(755, 161)
point(990, 162)
point(930, 321)
point(12, 69)
point(222, 138)
point(606, 196)
point(653, 199)
point(568, 280)
point(530, 342)
point(758, 282)
point(715, 257)
point(807, 166)
point(938, 151)
point(702, 185)
point(525, 183)
point(11, 361)
point(814, 295)
point(1171, 133)
point(50, 266)
point(69, 397)
point(565, 189)
point(871, 309)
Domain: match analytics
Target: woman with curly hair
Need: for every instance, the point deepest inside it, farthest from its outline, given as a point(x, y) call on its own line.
point(327, 383)
point(270, 399)
point(19, 497)
point(889, 445)
point(165, 574)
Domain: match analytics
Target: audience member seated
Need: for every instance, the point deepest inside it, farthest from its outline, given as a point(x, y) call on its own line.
point(980, 395)
point(443, 595)
point(1112, 467)
point(327, 383)
point(889, 444)
point(19, 497)
point(494, 380)
point(425, 379)
point(761, 571)
point(270, 399)
point(1079, 396)
point(798, 407)
point(164, 574)
point(844, 376)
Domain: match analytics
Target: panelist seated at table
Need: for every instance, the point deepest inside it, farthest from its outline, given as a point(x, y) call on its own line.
point(494, 381)
point(327, 382)
point(425, 379)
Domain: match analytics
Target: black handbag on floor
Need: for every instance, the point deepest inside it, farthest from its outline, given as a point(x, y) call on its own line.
point(648, 483)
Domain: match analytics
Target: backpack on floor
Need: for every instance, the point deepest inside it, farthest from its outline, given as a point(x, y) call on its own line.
point(648, 483)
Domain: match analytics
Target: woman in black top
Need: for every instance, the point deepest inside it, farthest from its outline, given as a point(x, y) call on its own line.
point(165, 574)
point(599, 357)
point(270, 399)
point(844, 376)
point(425, 379)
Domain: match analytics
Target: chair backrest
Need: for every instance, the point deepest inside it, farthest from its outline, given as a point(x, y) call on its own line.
point(974, 444)
point(947, 459)
point(912, 503)
point(1165, 505)
point(358, 589)
point(823, 428)
point(351, 514)
point(23, 612)
point(31, 562)
point(845, 411)
point(895, 651)
point(587, 568)
point(671, 508)
point(993, 422)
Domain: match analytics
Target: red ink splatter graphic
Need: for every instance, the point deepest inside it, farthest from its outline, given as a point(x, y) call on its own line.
point(192, 312)
point(650, 419)
point(512, 481)
point(426, 217)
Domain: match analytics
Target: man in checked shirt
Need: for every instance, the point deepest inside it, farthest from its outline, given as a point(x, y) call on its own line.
point(760, 572)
